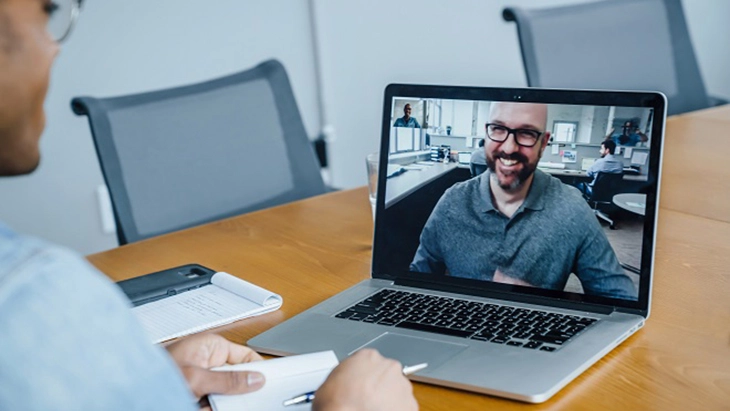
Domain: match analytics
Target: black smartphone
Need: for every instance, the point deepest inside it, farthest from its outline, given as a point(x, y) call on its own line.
point(158, 285)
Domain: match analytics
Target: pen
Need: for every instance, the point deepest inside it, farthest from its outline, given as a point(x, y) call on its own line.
point(309, 396)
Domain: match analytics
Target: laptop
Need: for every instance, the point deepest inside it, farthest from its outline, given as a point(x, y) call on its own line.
point(496, 310)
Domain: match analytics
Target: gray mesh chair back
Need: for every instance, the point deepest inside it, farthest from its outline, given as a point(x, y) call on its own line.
point(615, 44)
point(184, 156)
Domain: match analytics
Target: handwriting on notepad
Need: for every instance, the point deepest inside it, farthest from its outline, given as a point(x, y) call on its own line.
point(206, 307)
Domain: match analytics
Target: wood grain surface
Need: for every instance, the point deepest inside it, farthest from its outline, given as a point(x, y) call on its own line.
point(310, 250)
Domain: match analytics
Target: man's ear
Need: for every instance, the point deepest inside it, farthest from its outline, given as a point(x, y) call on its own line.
point(545, 140)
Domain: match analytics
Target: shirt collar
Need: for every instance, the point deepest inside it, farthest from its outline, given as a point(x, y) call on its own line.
point(535, 199)
point(485, 194)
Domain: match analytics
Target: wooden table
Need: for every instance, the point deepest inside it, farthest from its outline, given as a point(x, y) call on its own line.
point(309, 250)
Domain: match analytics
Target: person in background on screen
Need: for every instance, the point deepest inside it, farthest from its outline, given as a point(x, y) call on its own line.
point(69, 338)
point(514, 224)
point(630, 135)
point(608, 163)
point(406, 120)
point(478, 160)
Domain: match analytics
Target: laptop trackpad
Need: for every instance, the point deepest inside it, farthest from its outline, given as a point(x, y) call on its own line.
point(411, 350)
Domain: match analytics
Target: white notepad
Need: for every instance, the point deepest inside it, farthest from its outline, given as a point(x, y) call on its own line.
point(225, 300)
point(286, 378)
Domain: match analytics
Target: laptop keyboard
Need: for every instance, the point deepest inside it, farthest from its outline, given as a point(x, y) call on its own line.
point(498, 324)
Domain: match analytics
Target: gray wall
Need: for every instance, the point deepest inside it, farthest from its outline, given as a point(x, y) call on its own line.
point(368, 44)
point(122, 47)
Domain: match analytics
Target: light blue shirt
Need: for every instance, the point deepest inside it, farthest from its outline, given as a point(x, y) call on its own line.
point(479, 156)
point(401, 122)
point(69, 341)
point(626, 140)
point(610, 163)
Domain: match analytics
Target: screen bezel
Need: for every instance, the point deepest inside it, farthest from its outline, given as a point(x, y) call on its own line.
point(654, 100)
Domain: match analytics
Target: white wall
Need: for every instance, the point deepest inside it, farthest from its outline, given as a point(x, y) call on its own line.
point(367, 44)
point(707, 23)
point(122, 47)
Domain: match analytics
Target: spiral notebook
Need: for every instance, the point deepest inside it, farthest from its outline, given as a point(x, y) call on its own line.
point(226, 299)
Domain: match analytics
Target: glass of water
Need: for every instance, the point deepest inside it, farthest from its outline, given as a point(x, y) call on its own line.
point(372, 165)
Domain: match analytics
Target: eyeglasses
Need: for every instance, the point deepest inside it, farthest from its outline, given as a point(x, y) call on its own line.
point(63, 17)
point(523, 137)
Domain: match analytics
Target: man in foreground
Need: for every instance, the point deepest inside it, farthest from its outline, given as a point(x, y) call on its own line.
point(69, 339)
point(515, 224)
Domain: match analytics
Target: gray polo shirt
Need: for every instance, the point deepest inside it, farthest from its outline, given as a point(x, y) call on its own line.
point(553, 233)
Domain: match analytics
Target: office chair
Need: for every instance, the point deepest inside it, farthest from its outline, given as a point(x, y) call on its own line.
point(604, 188)
point(476, 169)
point(188, 155)
point(616, 44)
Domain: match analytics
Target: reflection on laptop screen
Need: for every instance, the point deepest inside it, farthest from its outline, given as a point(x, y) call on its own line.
point(554, 200)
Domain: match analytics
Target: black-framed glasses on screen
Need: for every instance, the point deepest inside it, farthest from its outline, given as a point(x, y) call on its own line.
point(63, 16)
point(523, 136)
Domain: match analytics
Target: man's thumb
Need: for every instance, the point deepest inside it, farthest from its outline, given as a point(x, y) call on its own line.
point(203, 381)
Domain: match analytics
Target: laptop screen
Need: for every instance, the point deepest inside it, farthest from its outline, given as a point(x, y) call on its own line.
point(557, 198)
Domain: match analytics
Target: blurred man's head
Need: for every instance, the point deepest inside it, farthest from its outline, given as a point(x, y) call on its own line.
point(607, 147)
point(407, 111)
point(516, 139)
point(26, 54)
point(627, 128)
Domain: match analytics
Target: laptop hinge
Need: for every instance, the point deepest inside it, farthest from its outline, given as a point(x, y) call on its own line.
point(522, 298)
point(635, 311)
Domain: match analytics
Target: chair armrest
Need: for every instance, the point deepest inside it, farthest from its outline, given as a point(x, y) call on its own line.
point(716, 101)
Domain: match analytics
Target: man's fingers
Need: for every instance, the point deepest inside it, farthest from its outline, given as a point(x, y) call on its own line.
point(203, 382)
point(239, 353)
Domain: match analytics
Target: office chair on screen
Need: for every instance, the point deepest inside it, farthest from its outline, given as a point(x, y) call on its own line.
point(605, 187)
point(476, 169)
point(613, 44)
point(185, 156)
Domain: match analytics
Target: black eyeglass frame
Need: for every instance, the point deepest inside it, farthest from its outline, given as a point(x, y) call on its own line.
point(514, 132)
point(75, 10)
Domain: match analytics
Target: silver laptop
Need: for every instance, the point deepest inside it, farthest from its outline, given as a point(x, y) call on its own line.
point(511, 302)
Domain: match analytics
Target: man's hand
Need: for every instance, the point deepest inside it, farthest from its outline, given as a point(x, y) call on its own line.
point(500, 277)
point(366, 381)
point(195, 356)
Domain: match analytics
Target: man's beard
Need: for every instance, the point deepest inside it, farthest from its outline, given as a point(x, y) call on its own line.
point(522, 175)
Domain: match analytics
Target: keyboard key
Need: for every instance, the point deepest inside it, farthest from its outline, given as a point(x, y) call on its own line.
point(532, 344)
point(433, 329)
point(501, 324)
point(362, 308)
point(548, 339)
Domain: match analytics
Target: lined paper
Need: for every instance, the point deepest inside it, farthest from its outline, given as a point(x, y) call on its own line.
point(225, 300)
